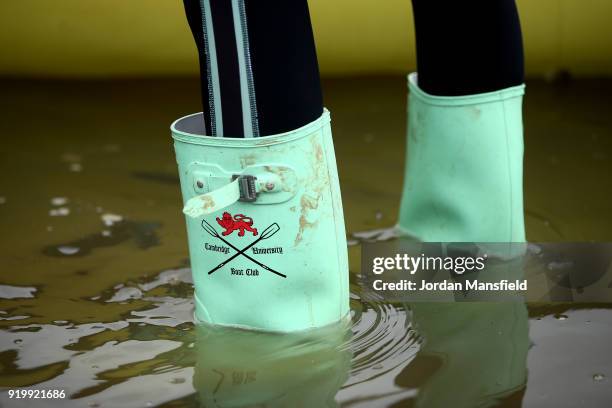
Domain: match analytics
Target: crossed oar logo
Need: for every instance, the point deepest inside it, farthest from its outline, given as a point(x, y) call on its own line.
point(267, 233)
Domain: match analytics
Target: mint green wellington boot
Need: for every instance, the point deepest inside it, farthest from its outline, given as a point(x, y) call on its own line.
point(265, 227)
point(464, 169)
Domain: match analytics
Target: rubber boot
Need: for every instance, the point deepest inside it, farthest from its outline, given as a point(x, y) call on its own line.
point(464, 169)
point(265, 227)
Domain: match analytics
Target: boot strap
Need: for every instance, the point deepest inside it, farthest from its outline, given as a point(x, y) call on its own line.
point(269, 184)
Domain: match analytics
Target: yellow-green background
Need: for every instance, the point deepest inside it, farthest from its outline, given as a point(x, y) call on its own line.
point(68, 38)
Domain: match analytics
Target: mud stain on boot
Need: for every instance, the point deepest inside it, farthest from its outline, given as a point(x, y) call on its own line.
point(318, 182)
point(248, 160)
point(307, 203)
point(207, 202)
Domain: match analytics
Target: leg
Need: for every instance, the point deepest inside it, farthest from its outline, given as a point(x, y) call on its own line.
point(258, 64)
point(260, 77)
point(467, 47)
point(464, 165)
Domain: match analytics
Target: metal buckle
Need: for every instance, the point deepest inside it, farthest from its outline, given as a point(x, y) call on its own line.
point(246, 185)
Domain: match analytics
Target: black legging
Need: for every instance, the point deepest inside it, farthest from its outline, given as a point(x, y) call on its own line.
point(269, 87)
point(259, 70)
point(467, 47)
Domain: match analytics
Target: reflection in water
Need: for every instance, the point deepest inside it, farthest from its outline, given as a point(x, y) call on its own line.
point(115, 233)
point(237, 368)
point(367, 362)
point(474, 354)
point(390, 354)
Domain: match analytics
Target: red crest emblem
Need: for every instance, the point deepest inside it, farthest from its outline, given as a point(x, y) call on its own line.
point(238, 222)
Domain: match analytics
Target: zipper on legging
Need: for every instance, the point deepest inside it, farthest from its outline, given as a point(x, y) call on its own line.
point(247, 86)
point(212, 71)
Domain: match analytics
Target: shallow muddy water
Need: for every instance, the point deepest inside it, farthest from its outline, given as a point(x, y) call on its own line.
point(95, 285)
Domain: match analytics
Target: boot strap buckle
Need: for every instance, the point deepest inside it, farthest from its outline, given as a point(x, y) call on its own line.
point(247, 187)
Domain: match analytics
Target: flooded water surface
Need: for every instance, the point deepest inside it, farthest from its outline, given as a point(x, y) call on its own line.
point(96, 288)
